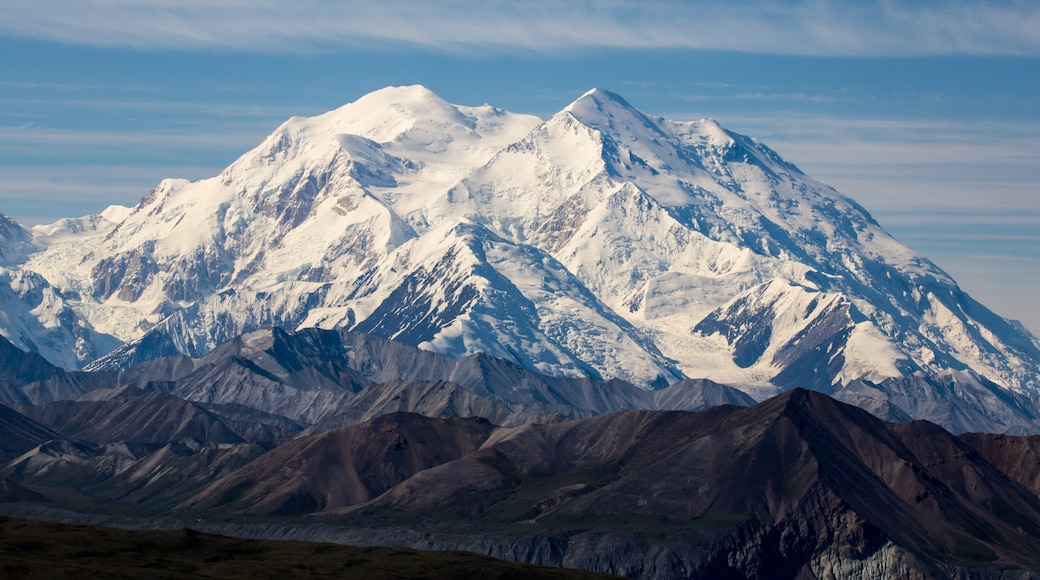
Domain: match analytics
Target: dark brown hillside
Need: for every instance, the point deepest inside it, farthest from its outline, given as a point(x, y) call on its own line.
point(798, 484)
point(801, 466)
point(150, 418)
point(919, 485)
point(344, 467)
point(19, 433)
point(1017, 457)
point(18, 368)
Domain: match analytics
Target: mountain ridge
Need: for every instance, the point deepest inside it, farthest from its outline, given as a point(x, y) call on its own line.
point(600, 242)
point(798, 483)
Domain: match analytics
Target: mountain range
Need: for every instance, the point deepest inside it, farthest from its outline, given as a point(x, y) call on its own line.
point(603, 340)
point(331, 435)
point(800, 485)
point(600, 243)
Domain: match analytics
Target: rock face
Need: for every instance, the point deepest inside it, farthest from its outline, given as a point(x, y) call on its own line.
point(599, 243)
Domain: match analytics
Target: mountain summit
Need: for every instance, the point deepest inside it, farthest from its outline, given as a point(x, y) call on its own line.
point(601, 242)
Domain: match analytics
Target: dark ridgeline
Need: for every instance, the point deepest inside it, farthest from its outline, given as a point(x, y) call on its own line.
point(796, 484)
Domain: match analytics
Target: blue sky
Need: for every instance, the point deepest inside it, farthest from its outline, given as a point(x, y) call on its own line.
point(927, 113)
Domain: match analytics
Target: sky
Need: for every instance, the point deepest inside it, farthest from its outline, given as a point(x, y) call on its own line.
point(926, 112)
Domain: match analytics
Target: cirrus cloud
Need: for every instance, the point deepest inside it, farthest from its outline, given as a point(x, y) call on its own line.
point(792, 27)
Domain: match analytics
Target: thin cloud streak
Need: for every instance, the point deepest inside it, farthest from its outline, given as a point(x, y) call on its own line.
point(921, 170)
point(15, 139)
point(193, 109)
point(793, 27)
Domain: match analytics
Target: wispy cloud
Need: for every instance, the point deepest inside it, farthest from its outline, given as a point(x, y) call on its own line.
point(14, 140)
point(802, 27)
point(914, 170)
point(194, 110)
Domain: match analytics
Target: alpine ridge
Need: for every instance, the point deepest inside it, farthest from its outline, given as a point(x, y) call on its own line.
point(601, 242)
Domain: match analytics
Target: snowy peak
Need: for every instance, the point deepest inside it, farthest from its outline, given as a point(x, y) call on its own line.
point(412, 119)
point(383, 116)
point(600, 242)
point(708, 131)
point(633, 144)
point(13, 239)
point(414, 103)
point(607, 111)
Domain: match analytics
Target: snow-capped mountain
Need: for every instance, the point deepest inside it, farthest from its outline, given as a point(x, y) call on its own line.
point(601, 242)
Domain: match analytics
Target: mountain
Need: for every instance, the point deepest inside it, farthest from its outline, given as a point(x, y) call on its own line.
point(511, 408)
point(18, 368)
point(697, 395)
point(600, 243)
point(346, 466)
point(271, 379)
point(128, 445)
point(432, 399)
point(19, 433)
point(83, 477)
point(960, 401)
point(35, 315)
point(153, 375)
point(148, 418)
point(798, 484)
point(1018, 457)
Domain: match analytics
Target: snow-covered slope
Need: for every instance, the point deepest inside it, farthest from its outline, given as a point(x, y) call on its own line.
point(37, 315)
point(599, 242)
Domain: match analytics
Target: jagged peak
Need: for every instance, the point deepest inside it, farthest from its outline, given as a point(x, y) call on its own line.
point(607, 112)
point(706, 213)
point(803, 404)
point(11, 230)
point(14, 239)
point(599, 97)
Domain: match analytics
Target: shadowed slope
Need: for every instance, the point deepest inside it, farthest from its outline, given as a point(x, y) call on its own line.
point(18, 368)
point(149, 418)
point(1017, 457)
point(19, 433)
point(792, 482)
point(431, 399)
point(345, 466)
